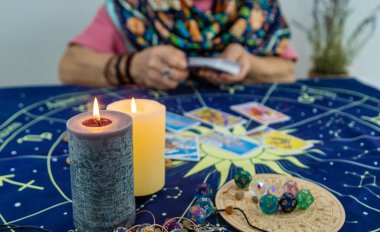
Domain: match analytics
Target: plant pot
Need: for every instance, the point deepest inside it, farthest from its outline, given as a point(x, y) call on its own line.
point(315, 75)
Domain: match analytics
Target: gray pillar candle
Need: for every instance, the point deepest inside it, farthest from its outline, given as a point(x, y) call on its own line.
point(101, 171)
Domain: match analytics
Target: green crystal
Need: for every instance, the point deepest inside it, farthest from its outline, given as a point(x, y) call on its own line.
point(304, 198)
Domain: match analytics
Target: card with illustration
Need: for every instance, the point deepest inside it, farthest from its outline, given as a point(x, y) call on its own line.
point(181, 147)
point(286, 143)
point(259, 135)
point(231, 144)
point(215, 117)
point(176, 122)
point(195, 157)
point(281, 141)
point(260, 113)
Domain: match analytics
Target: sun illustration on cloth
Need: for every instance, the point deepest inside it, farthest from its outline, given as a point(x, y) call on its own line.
point(274, 146)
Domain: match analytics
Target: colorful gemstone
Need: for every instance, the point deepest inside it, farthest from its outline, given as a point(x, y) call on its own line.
point(304, 198)
point(259, 187)
point(171, 225)
point(271, 190)
point(197, 214)
point(290, 187)
point(269, 203)
point(288, 202)
point(204, 190)
point(206, 204)
point(242, 179)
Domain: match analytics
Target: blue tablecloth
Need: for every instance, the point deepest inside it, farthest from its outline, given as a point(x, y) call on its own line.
point(343, 115)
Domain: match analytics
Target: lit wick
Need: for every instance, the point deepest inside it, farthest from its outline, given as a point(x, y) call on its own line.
point(96, 120)
point(133, 106)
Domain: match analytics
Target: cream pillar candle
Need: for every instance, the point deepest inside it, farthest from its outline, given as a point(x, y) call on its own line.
point(148, 143)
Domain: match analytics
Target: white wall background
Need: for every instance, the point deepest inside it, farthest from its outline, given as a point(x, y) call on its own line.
point(33, 36)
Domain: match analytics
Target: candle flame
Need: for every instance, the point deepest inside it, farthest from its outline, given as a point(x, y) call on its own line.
point(95, 111)
point(133, 106)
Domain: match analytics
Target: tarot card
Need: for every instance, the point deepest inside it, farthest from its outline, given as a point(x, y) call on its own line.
point(182, 147)
point(260, 113)
point(194, 157)
point(176, 122)
point(259, 135)
point(230, 143)
point(285, 143)
point(216, 64)
point(215, 117)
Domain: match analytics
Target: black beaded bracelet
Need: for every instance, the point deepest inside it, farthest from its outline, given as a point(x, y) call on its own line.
point(128, 68)
point(119, 77)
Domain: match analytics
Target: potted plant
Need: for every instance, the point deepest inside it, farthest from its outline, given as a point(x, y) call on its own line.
point(332, 53)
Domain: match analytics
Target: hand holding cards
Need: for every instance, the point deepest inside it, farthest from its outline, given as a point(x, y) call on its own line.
point(216, 64)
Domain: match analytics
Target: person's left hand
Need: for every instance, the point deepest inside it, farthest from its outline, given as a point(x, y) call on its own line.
point(235, 53)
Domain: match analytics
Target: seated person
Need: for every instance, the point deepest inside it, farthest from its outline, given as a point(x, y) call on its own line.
point(147, 42)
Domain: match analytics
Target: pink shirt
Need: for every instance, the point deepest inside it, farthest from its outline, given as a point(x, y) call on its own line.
point(103, 36)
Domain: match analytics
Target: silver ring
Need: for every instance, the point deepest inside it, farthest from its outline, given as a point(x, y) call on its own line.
point(166, 73)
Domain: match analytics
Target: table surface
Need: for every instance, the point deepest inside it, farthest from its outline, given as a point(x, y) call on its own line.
point(341, 117)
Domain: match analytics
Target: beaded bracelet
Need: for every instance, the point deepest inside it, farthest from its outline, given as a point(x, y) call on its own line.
point(119, 77)
point(128, 67)
point(106, 70)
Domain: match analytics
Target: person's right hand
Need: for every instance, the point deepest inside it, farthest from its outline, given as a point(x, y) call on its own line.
point(148, 67)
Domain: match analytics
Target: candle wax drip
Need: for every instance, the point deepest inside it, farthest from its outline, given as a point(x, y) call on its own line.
point(92, 122)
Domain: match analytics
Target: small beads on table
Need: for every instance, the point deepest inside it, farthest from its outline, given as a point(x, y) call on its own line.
point(269, 203)
point(229, 210)
point(242, 179)
point(197, 214)
point(239, 195)
point(204, 190)
point(288, 202)
point(255, 199)
point(304, 198)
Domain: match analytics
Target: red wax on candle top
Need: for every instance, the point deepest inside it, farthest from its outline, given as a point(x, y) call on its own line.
point(92, 122)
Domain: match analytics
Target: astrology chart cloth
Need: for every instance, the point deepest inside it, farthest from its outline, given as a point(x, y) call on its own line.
point(323, 131)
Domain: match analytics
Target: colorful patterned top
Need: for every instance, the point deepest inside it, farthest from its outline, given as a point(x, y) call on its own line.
point(258, 25)
point(103, 36)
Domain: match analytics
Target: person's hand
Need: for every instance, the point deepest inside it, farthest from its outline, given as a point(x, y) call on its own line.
point(235, 53)
point(160, 67)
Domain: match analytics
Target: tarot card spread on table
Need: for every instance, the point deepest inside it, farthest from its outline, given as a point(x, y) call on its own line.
point(215, 117)
point(176, 122)
point(281, 141)
point(182, 147)
point(260, 113)
point(231, 144)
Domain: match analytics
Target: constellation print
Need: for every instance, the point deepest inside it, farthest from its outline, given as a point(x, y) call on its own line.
point(340, 123)
point(367, 180)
